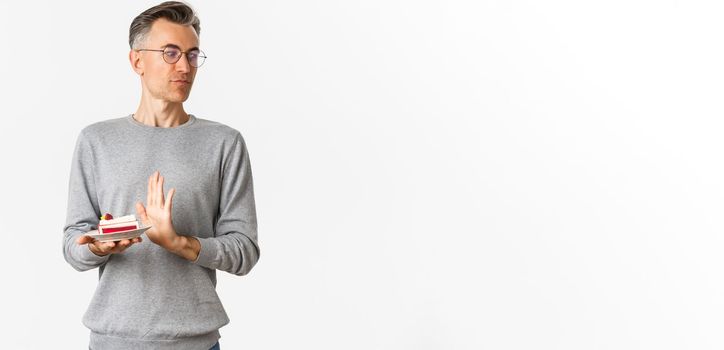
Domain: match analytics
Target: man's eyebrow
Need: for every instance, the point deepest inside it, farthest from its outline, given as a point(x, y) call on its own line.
point(177, 47)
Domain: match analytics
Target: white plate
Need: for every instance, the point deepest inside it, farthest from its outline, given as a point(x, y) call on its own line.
point(117, 236)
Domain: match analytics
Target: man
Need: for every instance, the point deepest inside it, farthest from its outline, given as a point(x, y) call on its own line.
point(159, 292)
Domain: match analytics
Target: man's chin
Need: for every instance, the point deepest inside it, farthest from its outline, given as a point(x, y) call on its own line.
point(177, 98)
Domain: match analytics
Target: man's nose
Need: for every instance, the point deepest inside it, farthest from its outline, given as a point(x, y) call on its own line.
point(183, 65)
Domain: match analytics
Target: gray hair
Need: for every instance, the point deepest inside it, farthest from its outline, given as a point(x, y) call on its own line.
point(174, 11)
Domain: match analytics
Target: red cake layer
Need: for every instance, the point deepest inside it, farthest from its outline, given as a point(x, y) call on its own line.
point(118, 229)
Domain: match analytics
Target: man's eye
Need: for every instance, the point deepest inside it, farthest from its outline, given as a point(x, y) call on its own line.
point(172, 53)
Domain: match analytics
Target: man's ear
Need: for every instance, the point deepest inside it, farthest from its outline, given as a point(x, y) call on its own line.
point(136, 63)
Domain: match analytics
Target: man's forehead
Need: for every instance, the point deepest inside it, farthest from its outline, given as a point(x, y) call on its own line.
point(164, 33)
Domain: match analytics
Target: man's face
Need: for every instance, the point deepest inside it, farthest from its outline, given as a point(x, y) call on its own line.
point(165, 81)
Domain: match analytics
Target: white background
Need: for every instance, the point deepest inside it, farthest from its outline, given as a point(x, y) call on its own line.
point(428, 174)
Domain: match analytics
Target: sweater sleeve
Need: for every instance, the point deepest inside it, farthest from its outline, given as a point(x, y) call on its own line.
point(234, 247)
point(83, 210)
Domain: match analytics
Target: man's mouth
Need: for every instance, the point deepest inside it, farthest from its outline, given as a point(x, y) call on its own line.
point(181, 81)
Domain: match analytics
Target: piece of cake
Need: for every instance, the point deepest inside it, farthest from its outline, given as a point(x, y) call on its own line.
point(110, 225)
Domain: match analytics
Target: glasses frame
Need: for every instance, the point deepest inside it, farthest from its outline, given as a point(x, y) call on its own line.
point(201, 54)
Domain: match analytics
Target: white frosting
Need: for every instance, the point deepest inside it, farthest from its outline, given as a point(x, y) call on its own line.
point(118, 220)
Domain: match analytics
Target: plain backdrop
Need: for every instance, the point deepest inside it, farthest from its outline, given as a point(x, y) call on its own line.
point(428, 174)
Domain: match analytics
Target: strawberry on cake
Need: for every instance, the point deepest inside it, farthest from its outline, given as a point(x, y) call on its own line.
point(124, 223)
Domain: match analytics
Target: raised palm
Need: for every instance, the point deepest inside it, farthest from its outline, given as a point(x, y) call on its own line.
point(157, 212)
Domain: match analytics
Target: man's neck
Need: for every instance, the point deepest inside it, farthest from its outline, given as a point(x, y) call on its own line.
point(160, 113)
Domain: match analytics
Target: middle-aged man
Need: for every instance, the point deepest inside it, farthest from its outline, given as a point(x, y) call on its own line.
point(159, 291)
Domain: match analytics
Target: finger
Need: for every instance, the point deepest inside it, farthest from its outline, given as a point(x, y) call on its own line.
point(169, 202)
point(104, 247)
point(149, 192)
point(131, 242)
point(159, 192)
point(154, 185)
point(123, 244)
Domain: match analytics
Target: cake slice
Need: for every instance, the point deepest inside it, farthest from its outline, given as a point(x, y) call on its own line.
point(111, 225)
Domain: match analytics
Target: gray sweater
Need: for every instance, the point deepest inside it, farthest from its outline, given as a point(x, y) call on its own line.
point(147, 297)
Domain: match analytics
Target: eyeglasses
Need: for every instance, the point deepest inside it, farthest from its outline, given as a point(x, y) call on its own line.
point(172, 54)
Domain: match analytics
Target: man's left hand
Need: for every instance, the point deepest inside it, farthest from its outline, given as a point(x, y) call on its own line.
point(157, 213)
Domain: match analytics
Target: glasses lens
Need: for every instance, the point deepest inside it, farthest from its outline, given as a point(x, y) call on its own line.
point(171, 55)
point(196, 58)
point(193, 57)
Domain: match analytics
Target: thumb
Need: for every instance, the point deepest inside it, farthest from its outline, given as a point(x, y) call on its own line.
point(83, 239)
point(141, 211)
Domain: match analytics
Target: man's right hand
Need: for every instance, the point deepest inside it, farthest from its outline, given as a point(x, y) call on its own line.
point(105, 248)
